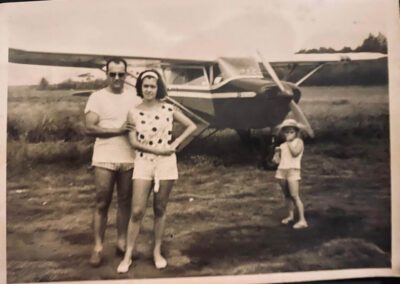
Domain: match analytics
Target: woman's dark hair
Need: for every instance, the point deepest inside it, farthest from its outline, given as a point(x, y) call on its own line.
point(161, 88)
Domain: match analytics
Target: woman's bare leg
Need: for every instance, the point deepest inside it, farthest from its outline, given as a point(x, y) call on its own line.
point(140, 195)
point(160, 206)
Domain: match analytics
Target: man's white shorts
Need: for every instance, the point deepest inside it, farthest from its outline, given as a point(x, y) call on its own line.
point(159, 168)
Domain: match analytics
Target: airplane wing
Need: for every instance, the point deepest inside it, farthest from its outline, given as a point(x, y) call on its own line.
point(321, 58)
point(98, 61)
point(90, 60)
point(315, 61)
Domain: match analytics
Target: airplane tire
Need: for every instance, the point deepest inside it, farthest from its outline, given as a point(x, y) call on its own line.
point(267, 154)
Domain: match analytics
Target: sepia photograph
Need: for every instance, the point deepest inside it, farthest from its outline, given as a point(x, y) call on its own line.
point(198, 140)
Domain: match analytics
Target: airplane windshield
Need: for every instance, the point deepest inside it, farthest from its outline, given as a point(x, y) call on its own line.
point(185, 76)
point(233, 67)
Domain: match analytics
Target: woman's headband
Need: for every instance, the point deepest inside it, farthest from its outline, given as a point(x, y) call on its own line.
point(150, 74)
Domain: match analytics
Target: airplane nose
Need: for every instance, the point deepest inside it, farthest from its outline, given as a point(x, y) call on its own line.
point(296, 95)
point(291, 91)
point(287, 92)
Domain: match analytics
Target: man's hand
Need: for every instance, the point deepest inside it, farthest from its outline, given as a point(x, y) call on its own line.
point(126, 127)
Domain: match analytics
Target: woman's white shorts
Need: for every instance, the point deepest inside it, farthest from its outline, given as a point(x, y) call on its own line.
point(159, 168)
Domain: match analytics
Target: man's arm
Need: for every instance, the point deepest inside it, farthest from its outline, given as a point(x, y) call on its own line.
point(93, 129)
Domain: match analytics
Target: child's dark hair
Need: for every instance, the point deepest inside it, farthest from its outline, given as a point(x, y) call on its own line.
point(161, 88)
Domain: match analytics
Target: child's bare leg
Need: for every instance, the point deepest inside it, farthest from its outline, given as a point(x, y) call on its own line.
point(294, 192)
point(288, 201)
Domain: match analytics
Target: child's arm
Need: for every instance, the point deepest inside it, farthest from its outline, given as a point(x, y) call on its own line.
point(277, 156)
point(296, 147)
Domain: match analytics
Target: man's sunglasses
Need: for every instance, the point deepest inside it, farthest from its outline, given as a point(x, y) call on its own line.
point(114, 74)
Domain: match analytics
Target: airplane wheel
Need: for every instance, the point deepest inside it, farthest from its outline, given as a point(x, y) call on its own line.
point(268, 153)
point(245, 137)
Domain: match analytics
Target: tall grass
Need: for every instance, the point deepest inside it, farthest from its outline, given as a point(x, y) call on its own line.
point(39, 116)
point(346, 114)
point(22, 155)
point(42, 122)
point(47, 126)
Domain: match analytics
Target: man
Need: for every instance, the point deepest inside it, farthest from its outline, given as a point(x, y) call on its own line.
point(106, 118)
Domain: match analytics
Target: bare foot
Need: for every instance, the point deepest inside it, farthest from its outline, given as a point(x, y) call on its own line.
point(300, 225)
point(123, 267)
point(95, 258)
point(287, 220)
point(159, 261)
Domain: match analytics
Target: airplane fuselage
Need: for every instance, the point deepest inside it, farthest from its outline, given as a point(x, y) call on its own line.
point(261, 105)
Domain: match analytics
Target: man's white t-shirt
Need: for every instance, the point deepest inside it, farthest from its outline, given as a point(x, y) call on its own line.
point(112, 110)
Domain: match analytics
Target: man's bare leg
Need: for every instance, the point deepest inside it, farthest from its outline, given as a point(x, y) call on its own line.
point(104, 180)
point(124, 193)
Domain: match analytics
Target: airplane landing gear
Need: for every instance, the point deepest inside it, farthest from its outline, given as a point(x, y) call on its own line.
point(264, 143)
point(267, 153)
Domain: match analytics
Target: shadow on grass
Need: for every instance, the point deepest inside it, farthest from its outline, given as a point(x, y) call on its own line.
point(263, 243)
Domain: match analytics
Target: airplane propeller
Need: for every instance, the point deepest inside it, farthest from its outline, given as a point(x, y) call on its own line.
point(296, 110)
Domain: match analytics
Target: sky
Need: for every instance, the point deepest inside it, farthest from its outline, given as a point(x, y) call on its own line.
point(194, 29)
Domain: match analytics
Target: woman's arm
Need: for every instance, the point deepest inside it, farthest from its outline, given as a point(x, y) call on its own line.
point(296, 147)
point(92, 127)
point(190, 128)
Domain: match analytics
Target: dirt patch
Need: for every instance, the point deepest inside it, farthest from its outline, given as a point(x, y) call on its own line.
point(224, 222)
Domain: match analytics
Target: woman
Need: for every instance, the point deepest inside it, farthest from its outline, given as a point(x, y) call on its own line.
point(155, 162)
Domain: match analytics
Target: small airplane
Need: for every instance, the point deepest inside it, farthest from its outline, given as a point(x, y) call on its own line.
point(237, 93)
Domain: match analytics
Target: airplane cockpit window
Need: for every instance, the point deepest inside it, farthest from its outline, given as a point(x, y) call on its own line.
point(217, 75)
point(218, 79)
point(185, 76)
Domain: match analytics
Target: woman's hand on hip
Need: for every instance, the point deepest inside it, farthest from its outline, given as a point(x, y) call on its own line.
point(166, 151)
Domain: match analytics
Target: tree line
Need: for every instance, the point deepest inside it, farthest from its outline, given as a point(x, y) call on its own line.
point(371, 44)
point(72, 85)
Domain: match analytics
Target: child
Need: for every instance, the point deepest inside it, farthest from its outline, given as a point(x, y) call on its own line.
point(289, 155)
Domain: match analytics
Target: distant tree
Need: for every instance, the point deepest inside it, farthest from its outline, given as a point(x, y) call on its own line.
point(43, 84)
point(373, 44)
point(346, 49)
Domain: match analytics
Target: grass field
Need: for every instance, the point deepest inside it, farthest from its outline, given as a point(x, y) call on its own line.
point(224, 215)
